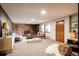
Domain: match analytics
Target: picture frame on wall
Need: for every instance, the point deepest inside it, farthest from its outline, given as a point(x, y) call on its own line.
point(74, 25)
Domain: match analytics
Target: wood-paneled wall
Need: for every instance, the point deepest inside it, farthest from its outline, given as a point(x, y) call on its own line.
point(21, 28)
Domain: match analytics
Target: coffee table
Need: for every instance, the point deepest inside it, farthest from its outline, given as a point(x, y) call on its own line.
point(33, 40)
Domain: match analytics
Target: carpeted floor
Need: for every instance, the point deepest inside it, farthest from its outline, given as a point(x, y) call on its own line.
point(23, 48)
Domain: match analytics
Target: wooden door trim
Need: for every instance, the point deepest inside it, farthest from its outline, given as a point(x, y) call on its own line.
point(56, 28)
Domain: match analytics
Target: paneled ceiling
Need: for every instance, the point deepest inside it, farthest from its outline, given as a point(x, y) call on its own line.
point(24, 12)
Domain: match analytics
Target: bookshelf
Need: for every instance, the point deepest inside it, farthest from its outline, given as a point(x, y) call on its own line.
point(74, 23)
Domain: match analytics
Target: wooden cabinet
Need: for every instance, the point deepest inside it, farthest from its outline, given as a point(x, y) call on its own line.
point(5, 45)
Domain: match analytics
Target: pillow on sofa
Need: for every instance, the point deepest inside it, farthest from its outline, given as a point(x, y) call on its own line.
point(53, 49)
point(65, 49)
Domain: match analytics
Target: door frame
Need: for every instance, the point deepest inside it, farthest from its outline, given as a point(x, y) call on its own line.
point(63, 31)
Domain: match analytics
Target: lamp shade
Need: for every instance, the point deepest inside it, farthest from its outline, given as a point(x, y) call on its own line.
point(5, 26)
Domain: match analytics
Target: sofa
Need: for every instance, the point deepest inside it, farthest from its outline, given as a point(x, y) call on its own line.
point(58, 49)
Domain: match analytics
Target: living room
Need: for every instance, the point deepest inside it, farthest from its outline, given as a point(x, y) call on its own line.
point(38, 29)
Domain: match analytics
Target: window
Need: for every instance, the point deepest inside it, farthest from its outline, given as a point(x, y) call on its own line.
point(42, 28)
point(48, 28)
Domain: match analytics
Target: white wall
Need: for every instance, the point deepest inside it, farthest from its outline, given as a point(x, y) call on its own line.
point(52, 34)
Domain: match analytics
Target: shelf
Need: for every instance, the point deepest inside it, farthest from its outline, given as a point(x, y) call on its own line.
point(73, 27)
point(73, 21)
point(76, 54)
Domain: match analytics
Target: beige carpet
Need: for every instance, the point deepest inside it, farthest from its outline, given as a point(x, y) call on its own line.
point(23, 48)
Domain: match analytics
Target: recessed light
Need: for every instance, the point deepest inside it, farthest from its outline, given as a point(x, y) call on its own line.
point(32, 19)
point(43, 12)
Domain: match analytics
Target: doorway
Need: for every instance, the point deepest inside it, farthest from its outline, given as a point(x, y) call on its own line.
point(60, 31)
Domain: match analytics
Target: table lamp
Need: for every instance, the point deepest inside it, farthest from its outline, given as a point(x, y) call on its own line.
point(5, 27)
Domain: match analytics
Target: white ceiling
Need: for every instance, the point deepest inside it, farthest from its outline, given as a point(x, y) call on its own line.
point(22, 13)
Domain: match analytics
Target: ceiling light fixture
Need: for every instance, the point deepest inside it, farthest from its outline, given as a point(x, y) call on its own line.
point(60, 22)
point(43, 12)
